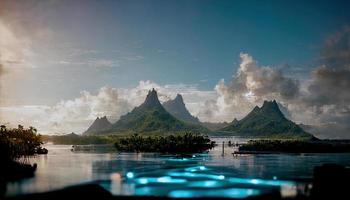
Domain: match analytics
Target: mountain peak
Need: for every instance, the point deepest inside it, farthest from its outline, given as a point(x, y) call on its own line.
point(271, 107)
point(100, 124)
point(234, 120)
point(179, 98)
point(178, 101)
point(265, 121)
point(151, 116)
point(178, 109)
point(272, 103)
point(151, 99)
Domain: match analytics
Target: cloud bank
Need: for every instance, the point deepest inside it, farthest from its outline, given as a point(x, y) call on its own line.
point(78, 113)
point(250, 86)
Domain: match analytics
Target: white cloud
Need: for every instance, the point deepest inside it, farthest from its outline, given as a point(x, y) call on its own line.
point(250, 86)
point(77, 114)
point(71, 115)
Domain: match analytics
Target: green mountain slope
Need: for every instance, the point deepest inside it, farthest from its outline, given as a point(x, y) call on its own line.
point(266, 121)
point(99, 125)
point(177, 108)
point(151, 117)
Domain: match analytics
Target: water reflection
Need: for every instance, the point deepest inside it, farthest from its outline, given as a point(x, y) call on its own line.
point(240, 176)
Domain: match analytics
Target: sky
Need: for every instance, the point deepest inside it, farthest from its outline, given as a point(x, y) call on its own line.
point(64, 63)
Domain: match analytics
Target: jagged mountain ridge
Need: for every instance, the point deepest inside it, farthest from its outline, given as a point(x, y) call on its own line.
point(99, 125)
point(151, 116)
point(267, 120)
point(177, 108)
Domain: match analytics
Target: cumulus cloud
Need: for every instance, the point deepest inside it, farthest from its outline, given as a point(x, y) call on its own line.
point(251, 85)
point(336, 52)
point(322, 101)
point(327, 97)
point(262, 81)
point(78, 113)
point(70, 115)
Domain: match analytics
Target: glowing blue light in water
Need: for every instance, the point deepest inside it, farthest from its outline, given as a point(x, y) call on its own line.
point(227, 193)
point(143, 180)
point(196, 175)
point(221, 177)
point(163, 179)
point(168, 179)
point(274, 177)
point(194, 169)
point(206, 184)
point(255, 181)
point(261, 182)
point(130, 175)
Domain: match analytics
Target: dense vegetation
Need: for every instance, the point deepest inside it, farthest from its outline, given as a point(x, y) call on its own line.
point(19, 142)
point(148, 118)
point(180, 143)
point(266, 121)
point(151, 116)
point(296, 146)
point(15, 146)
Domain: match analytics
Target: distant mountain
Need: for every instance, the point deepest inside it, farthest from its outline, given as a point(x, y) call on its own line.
point(72, 134)
point(266, 121)
point(177, 108)
point(98, 126)
point(151, 117)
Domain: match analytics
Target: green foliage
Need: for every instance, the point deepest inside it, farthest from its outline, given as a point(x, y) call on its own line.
point(18, 142)
point(150, 117)
point(266, 121)
point(153, 119)
point(180, 143)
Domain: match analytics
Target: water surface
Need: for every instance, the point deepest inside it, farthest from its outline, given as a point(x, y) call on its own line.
point(146, 173)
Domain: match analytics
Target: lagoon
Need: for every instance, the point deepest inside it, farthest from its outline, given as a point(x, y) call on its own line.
point(201, 174)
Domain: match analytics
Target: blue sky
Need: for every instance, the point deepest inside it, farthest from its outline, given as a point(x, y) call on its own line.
point(170, 42)
point(53, 50)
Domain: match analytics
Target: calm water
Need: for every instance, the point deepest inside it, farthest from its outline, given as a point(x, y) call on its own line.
point(144, 174)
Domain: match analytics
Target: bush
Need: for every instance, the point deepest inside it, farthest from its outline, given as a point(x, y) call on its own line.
point(19, 142)
point(181, 143)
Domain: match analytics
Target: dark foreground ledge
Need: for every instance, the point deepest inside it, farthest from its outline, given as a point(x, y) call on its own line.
point(88, 191)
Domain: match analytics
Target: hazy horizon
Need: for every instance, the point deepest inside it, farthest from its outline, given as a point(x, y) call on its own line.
point(64, 63)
